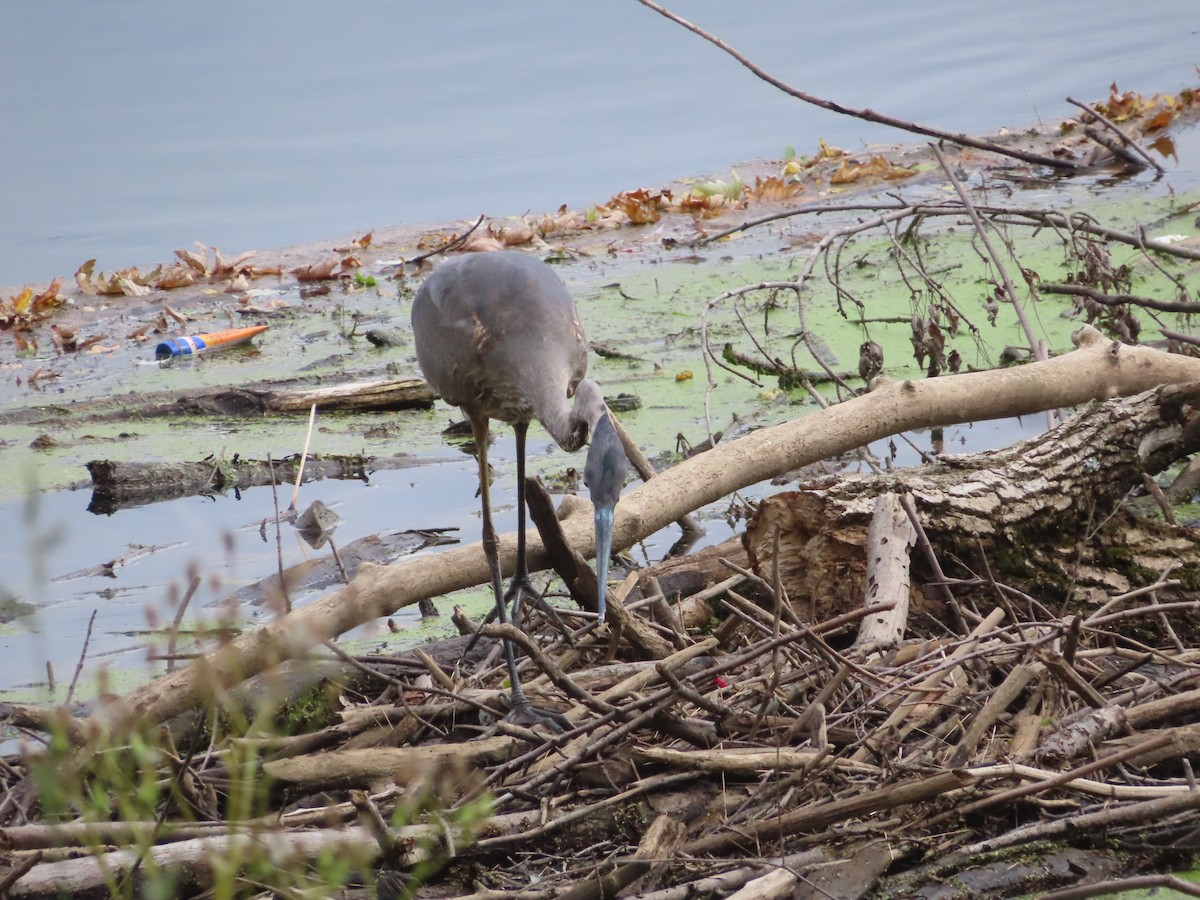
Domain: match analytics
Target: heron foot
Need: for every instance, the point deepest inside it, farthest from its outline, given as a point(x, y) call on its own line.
point(521, 593)
point(525, 713)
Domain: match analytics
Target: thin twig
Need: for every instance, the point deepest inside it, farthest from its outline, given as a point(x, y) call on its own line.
point(1125, 139)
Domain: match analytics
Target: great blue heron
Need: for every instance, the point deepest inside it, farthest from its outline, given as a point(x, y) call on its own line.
point(497, 335)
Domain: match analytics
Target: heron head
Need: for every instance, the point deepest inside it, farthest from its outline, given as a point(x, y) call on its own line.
point(604, 474)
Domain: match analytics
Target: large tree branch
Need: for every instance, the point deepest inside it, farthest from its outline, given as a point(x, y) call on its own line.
point(1098, 369)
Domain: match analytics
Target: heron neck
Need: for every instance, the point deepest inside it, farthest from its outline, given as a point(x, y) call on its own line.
point(571, 425)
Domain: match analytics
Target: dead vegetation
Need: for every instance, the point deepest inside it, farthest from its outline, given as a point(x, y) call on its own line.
point(977, 678)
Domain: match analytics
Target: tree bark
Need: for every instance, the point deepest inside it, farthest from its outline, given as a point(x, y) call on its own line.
point(1024, 513)
point(1099, 368)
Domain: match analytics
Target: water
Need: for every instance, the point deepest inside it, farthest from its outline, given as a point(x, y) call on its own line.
point(133, 128)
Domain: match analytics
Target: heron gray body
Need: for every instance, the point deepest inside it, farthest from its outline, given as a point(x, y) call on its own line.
point(497, 335)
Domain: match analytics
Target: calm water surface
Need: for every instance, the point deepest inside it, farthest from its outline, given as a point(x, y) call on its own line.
point(132, 128)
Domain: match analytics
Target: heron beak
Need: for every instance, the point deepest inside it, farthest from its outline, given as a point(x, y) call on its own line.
point(604, 530)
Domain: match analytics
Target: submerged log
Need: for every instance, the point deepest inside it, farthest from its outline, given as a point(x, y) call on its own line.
point(1029, 514)
point(119, 485)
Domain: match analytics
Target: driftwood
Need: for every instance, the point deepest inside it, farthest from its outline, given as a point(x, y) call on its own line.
point(120, 485)
point(266, 398)
point(1004, 508)
point(1098, 368)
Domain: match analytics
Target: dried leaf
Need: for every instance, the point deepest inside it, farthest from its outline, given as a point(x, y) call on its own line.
point(26, 343)
point(48, 300)
point(642, 206)
point(237, 284)
point(177, 316)
point(63, 338)
point(481, 242)
point(317, 271)
point(131, 288)
point(221, 267)
point(774, 188)
point(38, 375)
point(194, 260)
point(698, 203)
point(877, 166)
point(1159, 120)
point(175, 276)
point(1165, 147)
point(22, 303)
point(512, 234)
point(83, 277)
point(564, 220)
point(139, 334)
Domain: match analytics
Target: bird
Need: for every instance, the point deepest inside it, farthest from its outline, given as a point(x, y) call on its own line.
point(497, 334)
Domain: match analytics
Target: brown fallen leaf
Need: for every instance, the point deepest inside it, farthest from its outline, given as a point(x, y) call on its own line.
point(220, 267)
point(197, 261)
point(89, 342)
point(877, 166)
point(114, 285)
point(563, 220)
point(1159, 120)
point(253, 272)
point(643, 206)
point(48, 299)
point(139, 334)
point(318, 271)
point(362, 243)
point(1165, 146)
point(481, 242)
point(703, 204)
point(63, 338)
point(512, 234)
point(131, 288)
point(177, 316)
point(774, 188)
point(175, 276)
point(83, 277)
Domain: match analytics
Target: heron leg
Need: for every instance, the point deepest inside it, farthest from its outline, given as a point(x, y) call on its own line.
point(520, 587)
point(522, 709)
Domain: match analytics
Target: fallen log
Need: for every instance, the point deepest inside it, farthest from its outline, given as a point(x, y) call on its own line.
point(261, 399)
point(1098, 368)
point(120, 485)
point(1001, 511)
